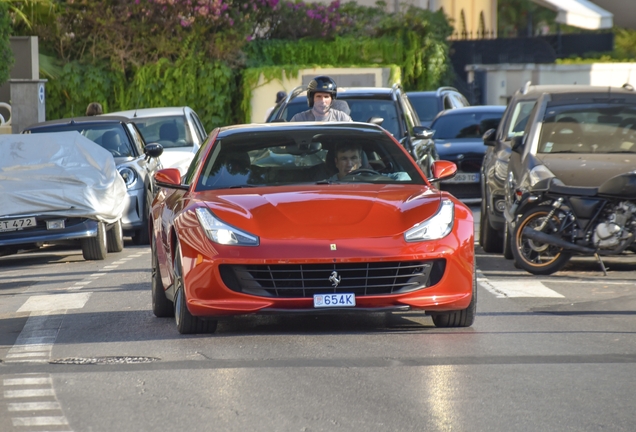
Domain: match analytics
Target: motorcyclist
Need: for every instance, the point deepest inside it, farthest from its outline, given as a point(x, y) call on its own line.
point(321, 92)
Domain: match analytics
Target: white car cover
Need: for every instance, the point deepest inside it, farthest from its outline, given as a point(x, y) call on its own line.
point(60, 173)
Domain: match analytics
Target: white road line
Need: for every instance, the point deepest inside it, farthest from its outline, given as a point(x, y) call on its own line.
point(12, 394)
point(26, 381)
point(55, 302)
point(39, 421)
point(508, 288)
point(28, 354)
point(33, 406)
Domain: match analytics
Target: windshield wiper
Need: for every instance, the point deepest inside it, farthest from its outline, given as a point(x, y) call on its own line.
point(241, 186)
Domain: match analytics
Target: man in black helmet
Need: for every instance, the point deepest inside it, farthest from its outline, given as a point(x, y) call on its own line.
point(321, 92)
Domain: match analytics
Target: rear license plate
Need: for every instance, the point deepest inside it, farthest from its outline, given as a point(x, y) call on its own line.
point(334, 300)
point(17, 224)
point(464, 178)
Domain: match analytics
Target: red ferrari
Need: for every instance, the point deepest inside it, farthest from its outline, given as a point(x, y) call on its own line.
point(310, 218)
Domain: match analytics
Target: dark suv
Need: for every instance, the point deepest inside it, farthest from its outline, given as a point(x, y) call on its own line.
point(494, 168)
point(429, 103)
point(387, 106)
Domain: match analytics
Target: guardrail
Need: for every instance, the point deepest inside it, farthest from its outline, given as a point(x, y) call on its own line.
point(5, 124)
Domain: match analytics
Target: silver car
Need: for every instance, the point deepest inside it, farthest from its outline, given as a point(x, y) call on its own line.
point(136, 161)
point(178, 129)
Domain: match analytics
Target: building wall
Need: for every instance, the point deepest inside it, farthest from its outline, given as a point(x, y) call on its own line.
point(503, 80)
point(470, 26)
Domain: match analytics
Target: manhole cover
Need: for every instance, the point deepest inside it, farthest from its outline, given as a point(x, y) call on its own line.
point(103, 360)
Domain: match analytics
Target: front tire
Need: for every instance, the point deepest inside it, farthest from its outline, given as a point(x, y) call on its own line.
point(142, 235)
point(186, 322)
point(96, 248)
point(531, 255)
point(489, 238)
point(161, 306)
point(115, 237)
point(460, 318)
point(507, 242)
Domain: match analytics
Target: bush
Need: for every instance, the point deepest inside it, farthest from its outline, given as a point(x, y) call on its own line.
point(6, 55)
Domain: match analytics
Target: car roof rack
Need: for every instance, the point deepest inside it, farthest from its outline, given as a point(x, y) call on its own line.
point(526, 87)
point(446, 88)
point(628, 86)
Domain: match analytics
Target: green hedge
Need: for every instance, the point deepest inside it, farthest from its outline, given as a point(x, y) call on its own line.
point(6, 55)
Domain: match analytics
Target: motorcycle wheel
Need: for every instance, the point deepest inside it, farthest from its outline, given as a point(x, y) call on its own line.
point(532, 256)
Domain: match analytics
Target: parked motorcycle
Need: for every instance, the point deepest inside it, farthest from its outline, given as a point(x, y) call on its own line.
point(559, 221)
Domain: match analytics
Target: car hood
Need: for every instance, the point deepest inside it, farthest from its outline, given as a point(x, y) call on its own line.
point(587, 170)
point(448, 149)
point(333, 212)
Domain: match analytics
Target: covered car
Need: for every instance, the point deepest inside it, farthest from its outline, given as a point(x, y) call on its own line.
point(272, 219)
point(59, 188)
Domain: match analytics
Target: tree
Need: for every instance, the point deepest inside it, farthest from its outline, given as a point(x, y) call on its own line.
point(6, 56)
point(519, 18)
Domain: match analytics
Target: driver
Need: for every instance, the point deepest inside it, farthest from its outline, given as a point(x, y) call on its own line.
point(321, 93)
point(348, 158)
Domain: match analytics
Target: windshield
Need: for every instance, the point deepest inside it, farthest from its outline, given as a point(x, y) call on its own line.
point(465, 125)
point(589, 128)
point(169, 131)
point(295, 157)
point(110, 136)
point(361, 111)
point(426, 107)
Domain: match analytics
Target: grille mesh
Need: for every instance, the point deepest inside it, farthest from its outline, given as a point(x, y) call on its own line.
point(305, 280)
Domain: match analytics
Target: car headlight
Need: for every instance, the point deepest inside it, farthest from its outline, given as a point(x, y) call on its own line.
point(129, 175)
point(538, 173)
point(501, 169)
point(222, 233)
point(440, 225)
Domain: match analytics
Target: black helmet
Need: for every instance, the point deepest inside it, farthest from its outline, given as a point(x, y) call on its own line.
point(321, 84)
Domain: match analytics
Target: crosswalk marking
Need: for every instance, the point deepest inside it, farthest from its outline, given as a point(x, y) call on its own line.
point(508, 288)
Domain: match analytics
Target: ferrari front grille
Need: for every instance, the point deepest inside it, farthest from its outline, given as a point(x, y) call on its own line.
point(305, 280)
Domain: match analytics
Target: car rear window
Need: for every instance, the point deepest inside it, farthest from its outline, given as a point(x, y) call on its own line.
point(465, 125)
point(589, 128)
point(361, 111)
point(110, 136)
point(169, 131)
point(426, 107)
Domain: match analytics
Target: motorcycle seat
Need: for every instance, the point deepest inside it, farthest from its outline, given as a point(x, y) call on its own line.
point(573, 190)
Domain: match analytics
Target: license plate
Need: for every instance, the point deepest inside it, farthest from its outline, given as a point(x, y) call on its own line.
point(17, 224)
point(464, 178)
point(334, 300)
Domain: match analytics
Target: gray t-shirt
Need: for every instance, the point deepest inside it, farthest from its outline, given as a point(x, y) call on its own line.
point(332, 116)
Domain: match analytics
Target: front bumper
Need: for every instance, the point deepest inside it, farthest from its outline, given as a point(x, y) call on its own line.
point(208, 296)
point(78, 229)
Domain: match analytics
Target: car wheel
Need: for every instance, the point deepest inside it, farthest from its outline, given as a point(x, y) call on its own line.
point(460, 318)
point(531, 255)
point(489, 238)
point(507, 245)
point(115, 238)
point(96, 248)
point(142, 235)
point(186, 322)
point(161, 306)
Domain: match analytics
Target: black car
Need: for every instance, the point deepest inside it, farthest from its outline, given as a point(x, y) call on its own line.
point(458, 138)
point(494, 169)
point(136, 162)
point(428, 104)
point(386, 106)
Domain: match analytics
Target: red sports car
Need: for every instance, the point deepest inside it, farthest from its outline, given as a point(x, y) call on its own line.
point(312, 218)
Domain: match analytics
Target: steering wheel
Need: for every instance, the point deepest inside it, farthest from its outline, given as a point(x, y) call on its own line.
point(363, 172)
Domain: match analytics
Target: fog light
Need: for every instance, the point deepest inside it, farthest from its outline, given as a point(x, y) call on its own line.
point(500, 205)
point(55, 224)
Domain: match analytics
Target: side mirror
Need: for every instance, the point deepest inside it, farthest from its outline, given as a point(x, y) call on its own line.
point(376, 121)
point(516, 144)
point(489, 137)
point(423, 132)
point(170, 178)
point(443, 170)
point(153, 150)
